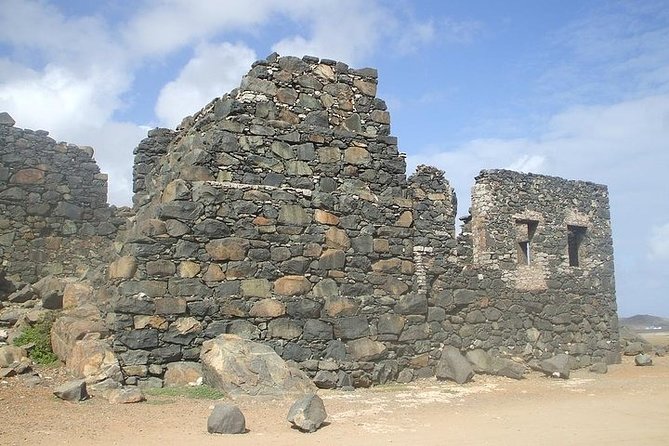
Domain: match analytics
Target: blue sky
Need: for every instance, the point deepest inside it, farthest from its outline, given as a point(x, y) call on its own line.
point(578, 89)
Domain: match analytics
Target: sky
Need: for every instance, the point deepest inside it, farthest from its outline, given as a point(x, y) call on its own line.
point(573, 88)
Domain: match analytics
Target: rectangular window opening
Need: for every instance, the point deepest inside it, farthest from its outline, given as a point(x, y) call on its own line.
point(575, 237)
point(525, 230)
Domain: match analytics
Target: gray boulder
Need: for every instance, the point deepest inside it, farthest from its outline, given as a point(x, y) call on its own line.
point(599, 367)
point(240, 366)
point(125, 395)
point(454, 366)
point(226, 419)
point(308, 413)
point(557, 366)
point(643, 360)
point(72, 391)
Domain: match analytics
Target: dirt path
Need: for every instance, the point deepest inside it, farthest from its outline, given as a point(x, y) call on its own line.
point(629, 405)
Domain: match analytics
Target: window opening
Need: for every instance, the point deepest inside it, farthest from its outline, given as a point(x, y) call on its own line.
point(525, 230)
point(575, 237)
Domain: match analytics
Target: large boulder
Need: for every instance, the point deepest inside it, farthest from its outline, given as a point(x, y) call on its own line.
point(50, 290)
point(240, 366)
point(93, 360)
point(482, 362)
point(557, 366)
point(226, 419)
point(454, 366)
point(308, 413)
point(72, 327)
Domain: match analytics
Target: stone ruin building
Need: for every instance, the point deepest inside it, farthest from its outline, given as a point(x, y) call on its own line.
point(281, 212)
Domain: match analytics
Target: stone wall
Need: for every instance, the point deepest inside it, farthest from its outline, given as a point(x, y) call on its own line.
point(281, 212)
point(53, 204)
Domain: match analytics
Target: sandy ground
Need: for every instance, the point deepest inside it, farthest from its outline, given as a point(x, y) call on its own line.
point(629, 405)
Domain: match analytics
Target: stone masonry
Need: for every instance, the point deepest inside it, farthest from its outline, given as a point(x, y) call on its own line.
point(282, 213)
point(54, 216)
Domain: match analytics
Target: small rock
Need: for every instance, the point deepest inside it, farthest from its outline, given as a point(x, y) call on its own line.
point(4, 334)
point(32, 380)
point(226, 419)
point(308, 413)
point(23, 295)
point(643, 360)
point(72, 391)
point(599, 367)
point(126, 395)
point(325, 379)
point(557, 366)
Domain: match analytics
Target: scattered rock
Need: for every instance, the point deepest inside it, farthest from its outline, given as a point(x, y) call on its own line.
point(23, 295)
point(308, 413)
point(72, 391)
point(226, 419)
point(72, 327)
point(599, 367)
point(126, 395)
point(10, 354)
point(240, 366)
point(557, 366)
point(643, 360)
point(454, 366)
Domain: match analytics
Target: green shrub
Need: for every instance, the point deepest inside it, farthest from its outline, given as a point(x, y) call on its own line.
point(40, 335)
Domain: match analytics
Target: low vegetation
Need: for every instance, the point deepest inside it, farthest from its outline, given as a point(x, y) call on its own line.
point(195, 392)
point(39, 335)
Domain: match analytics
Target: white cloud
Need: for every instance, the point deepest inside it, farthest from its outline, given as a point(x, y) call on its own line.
point(658, 243)
point(213, 71)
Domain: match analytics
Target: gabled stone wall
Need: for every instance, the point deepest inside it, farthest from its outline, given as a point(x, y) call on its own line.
point(53, 205)
point(281, 212)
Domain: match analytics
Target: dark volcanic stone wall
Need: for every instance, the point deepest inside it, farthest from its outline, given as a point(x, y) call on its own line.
point(281, 212)
point(53, 206)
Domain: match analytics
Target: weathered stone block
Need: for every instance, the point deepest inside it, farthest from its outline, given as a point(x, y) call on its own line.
point(292, 285)
point(267, 308)
point(231, 248)
point(351, 327)
point(365, 349)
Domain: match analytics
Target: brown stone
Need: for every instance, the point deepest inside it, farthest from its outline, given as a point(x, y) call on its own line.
point(76, 294)
point(357, 155)
point(160, 268)
point(324, 72)
point(325, 218)
point(267, 308)
point(292, 285)
point(405, 220)
point(381, 245)
point(312, 250)
point(143, 321)
point(366, 88)
point(152, 227)
point(341, 306)
point(93, 360)
point(420, 361)
point(255, 288)
point(214, 273)
point(329, 155)
point(179, 374)
point(28, 176)
point(337, 238)
point(262, 221)
point(188, 269)
point(387, 266)
point(365, 349)
point(170, 305)
point(122, 268)
point(284, 329)
point(286, 95)
point(175, 190)
point(186, 325)
point(231, 248)
point(395, 286)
